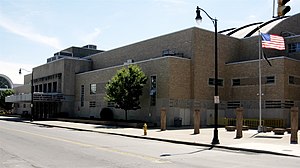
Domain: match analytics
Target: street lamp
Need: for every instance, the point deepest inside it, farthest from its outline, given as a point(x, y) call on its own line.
point(31, 104)
point(216, 97)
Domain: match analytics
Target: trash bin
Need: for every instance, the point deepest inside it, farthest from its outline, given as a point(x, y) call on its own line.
point(177, 121)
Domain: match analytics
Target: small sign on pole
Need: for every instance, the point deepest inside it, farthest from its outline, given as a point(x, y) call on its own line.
point(216, 99)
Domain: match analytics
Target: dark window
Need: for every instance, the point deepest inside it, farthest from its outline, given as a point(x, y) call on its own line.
point(45, 88)
point(291, 80)
point(294, 47)
point(54, 87)
point(40, 87)
point(236, 82)
point(49, 87)
point(211, 81)
point(92, 104)
point(273, 104)
point(233, 104)
point(82, 96)
point(270, 79)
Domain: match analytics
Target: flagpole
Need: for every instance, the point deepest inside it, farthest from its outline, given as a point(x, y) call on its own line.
point(259, 79)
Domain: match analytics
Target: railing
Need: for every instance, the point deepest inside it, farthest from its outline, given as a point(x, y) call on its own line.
point(47, 97)
point(254, 123)
point(37, 97)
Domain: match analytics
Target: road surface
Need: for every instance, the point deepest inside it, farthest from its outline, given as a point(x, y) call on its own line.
point(24, 145)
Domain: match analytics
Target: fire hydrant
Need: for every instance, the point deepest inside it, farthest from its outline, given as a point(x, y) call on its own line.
point(145, 129)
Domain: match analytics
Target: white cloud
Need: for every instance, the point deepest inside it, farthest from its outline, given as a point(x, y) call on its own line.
point(92, 37)
point(28, 33)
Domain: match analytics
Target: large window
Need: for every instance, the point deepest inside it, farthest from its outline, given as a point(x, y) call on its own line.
point(153, 90)
point(45, 88)
point(40, 88)
point(49, 87)
point(54, 87)
point(294, 47)
point(82, 96)
point(93, 88)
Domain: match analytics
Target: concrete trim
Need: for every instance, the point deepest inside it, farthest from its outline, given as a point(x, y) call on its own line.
point(251, 61)
point(138, 62)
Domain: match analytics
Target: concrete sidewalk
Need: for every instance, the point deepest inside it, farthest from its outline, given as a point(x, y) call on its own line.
point(251, 141)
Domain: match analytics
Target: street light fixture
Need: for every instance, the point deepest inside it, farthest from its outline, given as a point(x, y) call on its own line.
point(31, 104)
point(216, 81)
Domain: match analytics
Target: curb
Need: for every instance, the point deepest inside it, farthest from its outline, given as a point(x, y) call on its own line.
point(173, 141)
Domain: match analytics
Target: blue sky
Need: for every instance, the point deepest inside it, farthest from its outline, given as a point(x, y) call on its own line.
point(33, 30)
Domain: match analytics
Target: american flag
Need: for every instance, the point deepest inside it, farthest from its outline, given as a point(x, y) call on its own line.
point(272, 41)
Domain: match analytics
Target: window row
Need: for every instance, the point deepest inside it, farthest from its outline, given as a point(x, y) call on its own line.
point(47, 78)
point(47, 87)
point(243, 81)
point(252, 81)
point(99, 88)
point(268, 104)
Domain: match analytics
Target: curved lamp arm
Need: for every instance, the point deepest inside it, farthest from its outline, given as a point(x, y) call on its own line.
point(198, 16)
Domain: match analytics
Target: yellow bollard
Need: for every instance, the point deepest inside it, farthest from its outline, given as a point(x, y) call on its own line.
point(145, 129)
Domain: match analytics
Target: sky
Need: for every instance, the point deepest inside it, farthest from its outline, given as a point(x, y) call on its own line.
point(33, 30)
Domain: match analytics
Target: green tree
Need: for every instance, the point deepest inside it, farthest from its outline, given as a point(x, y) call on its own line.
point(3, 104)
point(125, 88)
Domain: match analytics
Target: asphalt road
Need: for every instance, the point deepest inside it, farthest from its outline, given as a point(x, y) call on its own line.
point(24, 145)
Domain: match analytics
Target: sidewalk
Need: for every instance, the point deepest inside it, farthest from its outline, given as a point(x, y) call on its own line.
point(251, 141)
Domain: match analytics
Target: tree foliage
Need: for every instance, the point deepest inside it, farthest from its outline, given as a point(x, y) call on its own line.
point(126, 87)
point(3, 104)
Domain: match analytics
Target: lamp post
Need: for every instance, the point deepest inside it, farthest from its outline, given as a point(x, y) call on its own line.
point(216, 97)
point(32, 88)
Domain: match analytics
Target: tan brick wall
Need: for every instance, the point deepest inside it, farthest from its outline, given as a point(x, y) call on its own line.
point(291, 68)
point(203, 61)
point(180, 79)
point(173, 81)
point(152, 48)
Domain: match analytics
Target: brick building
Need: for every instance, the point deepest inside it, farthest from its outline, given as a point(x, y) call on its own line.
point(180, 69)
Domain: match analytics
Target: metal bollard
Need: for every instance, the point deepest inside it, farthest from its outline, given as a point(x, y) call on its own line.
point(145, 129)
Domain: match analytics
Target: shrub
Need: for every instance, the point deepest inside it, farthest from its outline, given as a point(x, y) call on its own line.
point(106, 114)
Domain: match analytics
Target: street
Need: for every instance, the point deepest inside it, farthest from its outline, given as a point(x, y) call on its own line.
point(31, 146)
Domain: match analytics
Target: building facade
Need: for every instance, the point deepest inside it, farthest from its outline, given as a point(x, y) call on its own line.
point(180, 70)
